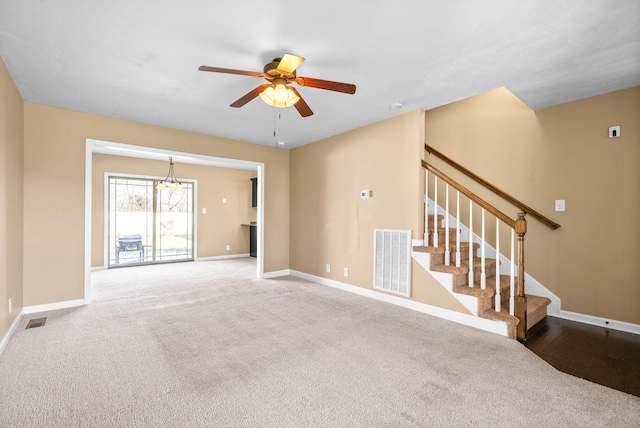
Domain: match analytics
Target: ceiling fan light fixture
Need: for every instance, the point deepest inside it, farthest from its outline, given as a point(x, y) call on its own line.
point(279, 95)
point(280, 73)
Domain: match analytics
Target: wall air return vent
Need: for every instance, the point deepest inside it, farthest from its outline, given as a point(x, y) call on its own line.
point(392, 261)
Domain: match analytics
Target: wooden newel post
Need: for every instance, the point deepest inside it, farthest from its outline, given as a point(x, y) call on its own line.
point(521, 298)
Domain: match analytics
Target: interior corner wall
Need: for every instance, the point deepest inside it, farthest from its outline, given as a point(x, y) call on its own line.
point(332, 225)
point(54, 169)
point(220, 226)
point(11, 198)
point(560, 152)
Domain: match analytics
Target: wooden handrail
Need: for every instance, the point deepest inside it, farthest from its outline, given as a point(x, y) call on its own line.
point(469, 194)
point(514, 201)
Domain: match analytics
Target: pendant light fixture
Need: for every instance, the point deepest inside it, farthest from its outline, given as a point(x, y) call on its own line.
point(170, 182)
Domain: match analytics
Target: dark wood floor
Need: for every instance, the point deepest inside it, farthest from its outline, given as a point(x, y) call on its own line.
point(601, 355)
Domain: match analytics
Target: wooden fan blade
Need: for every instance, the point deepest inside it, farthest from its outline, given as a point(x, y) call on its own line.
point(230, 71)
point(289, 63)
point(301, 105)
point(346, 88)
point(251, 95)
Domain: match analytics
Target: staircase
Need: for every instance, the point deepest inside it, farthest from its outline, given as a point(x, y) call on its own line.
point(483, 300)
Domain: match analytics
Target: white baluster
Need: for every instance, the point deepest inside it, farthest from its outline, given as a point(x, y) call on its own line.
point(426, 207)
point(457, 228)
point(435, 213)
point(512, 278)
point(470, 261)
point(447, 251)
point(498, 297)
point(483, 272)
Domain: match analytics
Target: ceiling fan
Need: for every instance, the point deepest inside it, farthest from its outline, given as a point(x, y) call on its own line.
point(280, 73)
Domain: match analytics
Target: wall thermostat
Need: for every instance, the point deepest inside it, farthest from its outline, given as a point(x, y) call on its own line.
point(365, 194)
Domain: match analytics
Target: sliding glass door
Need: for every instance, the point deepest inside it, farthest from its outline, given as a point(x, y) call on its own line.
point(148, 225)
point(174, 224)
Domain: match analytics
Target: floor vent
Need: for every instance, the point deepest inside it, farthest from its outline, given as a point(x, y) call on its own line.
point(36, 322)
point(392, 261)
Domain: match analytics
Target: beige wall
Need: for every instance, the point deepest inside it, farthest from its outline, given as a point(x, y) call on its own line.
point(54, 154)
point(11, 157)
point(560, 152)
point(218, 227)
point(330, 224)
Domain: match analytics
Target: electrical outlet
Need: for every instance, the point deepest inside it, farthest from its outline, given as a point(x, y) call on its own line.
point(346, 271)
point(328, 267)
point(10, 306)
point(228, 247)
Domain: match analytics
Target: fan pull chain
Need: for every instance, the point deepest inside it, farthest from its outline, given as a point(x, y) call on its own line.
point(274, 121)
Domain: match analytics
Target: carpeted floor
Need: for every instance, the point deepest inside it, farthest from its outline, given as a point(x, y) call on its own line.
point(206, 344)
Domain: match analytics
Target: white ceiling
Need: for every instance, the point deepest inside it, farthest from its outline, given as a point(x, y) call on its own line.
point(138, 60)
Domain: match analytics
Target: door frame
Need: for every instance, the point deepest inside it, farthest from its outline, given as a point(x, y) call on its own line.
point(128, 150)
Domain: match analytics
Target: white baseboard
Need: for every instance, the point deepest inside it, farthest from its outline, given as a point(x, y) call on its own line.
point(497, 327)
point(230, 256)
point(598, 321)
point(53, 306)
point(276, 274)
point(14, 325)
point(97, 268)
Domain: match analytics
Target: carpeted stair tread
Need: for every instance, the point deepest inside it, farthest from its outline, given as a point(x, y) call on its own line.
point(428, 249)
point(442, 237)
point(490, 265)
point(475, 291)
point(534, 302)
point(536, 309)
point(490, 288)
point(464, 249)
point(439, 222)
point(503, 315)
point(536, 305)
point(462, 270)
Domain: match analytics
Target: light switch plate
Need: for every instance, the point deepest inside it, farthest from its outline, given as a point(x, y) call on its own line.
point(559, 204)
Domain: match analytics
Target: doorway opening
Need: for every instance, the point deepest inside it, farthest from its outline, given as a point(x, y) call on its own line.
point(148, 224)
point(127, 150)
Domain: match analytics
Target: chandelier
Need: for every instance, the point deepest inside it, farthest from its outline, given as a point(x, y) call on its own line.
point(171, 182)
